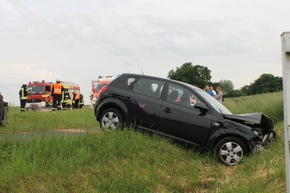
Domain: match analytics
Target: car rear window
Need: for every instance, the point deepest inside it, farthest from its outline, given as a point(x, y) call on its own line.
point(148, 87)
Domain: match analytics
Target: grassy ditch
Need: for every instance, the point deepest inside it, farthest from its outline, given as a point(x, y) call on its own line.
point(130, 161)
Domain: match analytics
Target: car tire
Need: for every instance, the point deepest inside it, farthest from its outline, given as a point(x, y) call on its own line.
point(111, 119)
point(230, 150)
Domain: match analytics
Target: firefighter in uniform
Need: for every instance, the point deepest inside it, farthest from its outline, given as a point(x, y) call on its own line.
point(23, 97)
point(65, 97)
point(81, 103)
point(56, 92)
point(76, 100)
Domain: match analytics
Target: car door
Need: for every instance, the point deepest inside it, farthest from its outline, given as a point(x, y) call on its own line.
point(143, 102)
point(179, 118)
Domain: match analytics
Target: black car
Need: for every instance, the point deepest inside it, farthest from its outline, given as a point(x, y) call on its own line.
point(181, 112)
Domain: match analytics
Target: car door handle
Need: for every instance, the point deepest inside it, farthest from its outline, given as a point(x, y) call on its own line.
point(167, 110)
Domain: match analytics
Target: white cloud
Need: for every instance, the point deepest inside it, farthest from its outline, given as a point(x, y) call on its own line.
point(24, 73)
point(79, 40)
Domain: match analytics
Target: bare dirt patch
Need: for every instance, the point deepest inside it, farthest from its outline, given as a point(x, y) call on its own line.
point(72, 130)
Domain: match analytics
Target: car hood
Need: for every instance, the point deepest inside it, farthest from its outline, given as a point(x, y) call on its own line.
point(257, 119)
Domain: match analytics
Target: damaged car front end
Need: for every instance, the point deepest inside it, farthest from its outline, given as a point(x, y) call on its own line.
point(236, 135)
point(242, 134)
point(260, 124)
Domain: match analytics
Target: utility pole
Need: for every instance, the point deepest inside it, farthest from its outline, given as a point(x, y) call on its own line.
point(285, 42)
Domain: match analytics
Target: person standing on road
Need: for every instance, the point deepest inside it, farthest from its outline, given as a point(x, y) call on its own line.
point(3, 111)
point(65, 97)
point(219, 95)
point(1, 108)
point(56, 92)
point(207, 89)
point(76, 100)
point(81, 103)
point(212, 91)
point(23, 95)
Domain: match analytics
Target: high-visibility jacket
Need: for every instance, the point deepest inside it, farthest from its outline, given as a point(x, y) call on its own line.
point(69, 102)
point(57, 88)
point(23, 93)
point(65, 96)
point(76, 96)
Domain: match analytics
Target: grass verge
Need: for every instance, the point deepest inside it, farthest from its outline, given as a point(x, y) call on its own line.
point(128, 161)
point(49, 120)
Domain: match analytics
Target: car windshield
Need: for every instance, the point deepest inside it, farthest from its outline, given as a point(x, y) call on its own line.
point(214, 103)
point(35, 89)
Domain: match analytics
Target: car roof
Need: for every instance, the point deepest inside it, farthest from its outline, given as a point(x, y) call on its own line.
point(163, 79)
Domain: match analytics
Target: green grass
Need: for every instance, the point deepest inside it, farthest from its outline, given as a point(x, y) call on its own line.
point(270, 104)
point(129, 161)
point(120, 162)
point(49, 120)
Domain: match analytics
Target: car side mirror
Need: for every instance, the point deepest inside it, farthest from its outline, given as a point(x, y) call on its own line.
point(201, 106)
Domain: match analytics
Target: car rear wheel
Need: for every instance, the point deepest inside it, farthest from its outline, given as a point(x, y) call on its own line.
point(230, 150)
point(111, 119)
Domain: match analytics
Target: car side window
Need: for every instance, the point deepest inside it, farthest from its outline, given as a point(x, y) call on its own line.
point(181, 96)
point(148, 87)
point(130, 80)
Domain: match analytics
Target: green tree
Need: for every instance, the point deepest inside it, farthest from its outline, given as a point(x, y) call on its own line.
point(264, 84)
point(196, 75)
point(235, 93)
point(227, 86)
point(246, 89)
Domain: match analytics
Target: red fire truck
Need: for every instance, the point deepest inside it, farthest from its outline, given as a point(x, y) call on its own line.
point(39, 93)
point(97, 85)
point(71, 87)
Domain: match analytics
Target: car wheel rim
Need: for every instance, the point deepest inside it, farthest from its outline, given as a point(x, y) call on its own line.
point(110, 121)
point(231, 153)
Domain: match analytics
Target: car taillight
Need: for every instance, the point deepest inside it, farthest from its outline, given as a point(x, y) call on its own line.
point(104, 89)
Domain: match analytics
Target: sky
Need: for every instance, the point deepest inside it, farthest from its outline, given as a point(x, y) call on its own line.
point(74, 40)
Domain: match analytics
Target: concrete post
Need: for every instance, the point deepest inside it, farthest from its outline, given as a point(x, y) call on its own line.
point(285, 41)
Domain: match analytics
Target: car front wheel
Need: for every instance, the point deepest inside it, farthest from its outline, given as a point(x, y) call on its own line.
point(111, 119)
point(230, 150)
